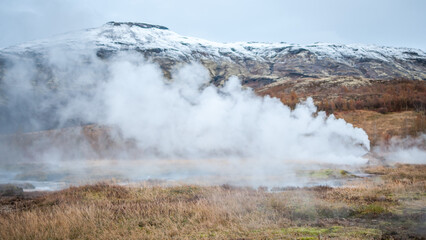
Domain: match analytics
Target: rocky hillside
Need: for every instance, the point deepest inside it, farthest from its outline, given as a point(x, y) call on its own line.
point(271, 68)
point(257, 64)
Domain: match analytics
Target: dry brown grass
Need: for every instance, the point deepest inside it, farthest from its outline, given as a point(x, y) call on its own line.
point(347, 93)
point(361, 102)
point(380, 127)
point(389, 206)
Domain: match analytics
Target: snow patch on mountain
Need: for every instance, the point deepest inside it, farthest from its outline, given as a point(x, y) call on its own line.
point(140, 36)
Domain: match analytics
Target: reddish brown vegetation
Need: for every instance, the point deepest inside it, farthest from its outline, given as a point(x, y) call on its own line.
point(382, 108)
point(381, 96)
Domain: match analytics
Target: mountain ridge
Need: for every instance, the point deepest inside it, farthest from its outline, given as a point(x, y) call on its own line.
point(258, 64)
point(337, 77)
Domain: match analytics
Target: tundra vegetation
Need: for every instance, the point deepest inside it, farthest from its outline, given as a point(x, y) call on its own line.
point(388, 205)
point(384, 109)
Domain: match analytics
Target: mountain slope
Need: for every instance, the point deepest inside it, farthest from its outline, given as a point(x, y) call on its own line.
point(257, 64)
point(38, 78)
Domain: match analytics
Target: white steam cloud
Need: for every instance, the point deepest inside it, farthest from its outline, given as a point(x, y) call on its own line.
point(411, 150)
point(218, 130)
point(188, 118)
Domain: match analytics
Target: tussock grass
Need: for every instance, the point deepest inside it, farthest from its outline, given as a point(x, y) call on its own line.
point(390, 206)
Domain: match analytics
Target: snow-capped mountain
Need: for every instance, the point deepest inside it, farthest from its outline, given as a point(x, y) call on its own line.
point(257, 64)
point(38, 78)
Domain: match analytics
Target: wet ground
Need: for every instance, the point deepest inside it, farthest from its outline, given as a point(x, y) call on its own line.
point(59, 175)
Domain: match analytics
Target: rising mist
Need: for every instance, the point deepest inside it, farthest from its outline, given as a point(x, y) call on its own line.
point(218, 130)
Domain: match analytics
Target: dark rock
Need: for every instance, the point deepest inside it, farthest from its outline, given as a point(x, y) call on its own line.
point(297, 51)
point(141, 25)
point(104, 53)
point(412, 53)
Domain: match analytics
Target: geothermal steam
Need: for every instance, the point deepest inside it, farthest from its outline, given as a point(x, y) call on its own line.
point(180, 118)
point(187, 118)
point(404, 150)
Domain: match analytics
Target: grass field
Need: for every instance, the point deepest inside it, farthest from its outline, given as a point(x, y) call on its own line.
point(380, 127)
point(389, 205)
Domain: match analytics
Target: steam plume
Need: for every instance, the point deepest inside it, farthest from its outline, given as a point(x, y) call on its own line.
point(225, 129)
point(186, 117)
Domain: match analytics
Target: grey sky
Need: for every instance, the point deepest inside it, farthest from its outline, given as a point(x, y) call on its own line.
point(382, 22)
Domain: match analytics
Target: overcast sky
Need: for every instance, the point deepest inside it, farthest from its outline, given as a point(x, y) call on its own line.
point(381, 22)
